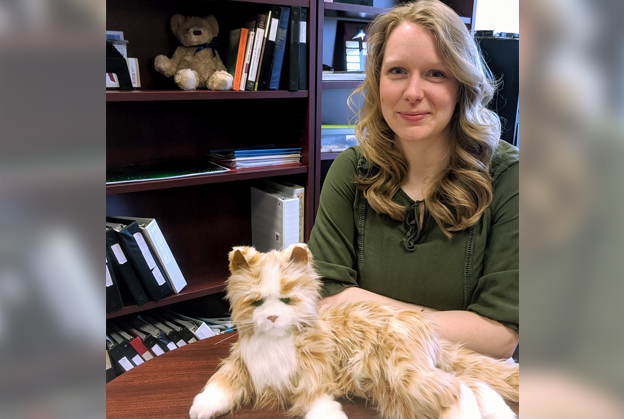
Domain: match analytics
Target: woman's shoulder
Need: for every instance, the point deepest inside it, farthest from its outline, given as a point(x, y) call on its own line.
point(505, 156)
point(350, 160)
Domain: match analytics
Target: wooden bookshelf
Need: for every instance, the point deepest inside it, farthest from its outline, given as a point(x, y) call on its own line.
point(202, 217)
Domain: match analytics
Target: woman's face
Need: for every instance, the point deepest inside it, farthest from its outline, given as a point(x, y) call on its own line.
point(418, 93)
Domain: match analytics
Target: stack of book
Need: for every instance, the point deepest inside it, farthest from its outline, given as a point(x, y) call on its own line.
point(270, 51)
point(259, 156)
point(133, 340)
point(139, 264)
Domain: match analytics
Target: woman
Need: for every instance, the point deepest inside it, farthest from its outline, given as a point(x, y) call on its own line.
point(424, 213)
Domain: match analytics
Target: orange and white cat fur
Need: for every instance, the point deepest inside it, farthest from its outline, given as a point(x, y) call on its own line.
point(289, 357)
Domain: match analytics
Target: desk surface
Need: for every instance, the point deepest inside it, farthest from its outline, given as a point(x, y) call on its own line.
point(165, 386)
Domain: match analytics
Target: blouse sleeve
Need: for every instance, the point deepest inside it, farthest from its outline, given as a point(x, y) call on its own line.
point(332, 241)
point(496, 294)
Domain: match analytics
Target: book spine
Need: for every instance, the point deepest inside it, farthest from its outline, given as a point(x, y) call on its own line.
point(269, 50)
point(293, 60)
point(303, 50)
point(280, 48)
point(251, 35)
point(240, 58)
point(257, 48)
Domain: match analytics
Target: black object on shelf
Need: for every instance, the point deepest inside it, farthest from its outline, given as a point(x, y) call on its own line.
point(501, 53)
point(116, 63)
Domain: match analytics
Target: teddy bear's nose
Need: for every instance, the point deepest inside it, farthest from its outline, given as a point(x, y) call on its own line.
point(197, 33)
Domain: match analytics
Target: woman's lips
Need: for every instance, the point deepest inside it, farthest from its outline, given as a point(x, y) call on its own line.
point(413, 116)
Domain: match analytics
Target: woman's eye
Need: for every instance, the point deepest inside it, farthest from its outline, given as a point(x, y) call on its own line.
point(285, 300)
point(437, 73)
point(396, 70)
point(258, 303)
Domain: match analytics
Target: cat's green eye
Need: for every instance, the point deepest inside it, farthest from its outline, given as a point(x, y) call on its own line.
point(258, 303)
point(285, 300)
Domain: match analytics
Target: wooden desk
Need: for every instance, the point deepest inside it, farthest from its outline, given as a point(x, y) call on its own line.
point(165, 386)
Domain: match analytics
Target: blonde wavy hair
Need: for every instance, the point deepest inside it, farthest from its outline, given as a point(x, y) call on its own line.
point(461, 193)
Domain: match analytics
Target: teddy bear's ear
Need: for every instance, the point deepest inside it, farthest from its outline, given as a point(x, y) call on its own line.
point(212, 21)
point(176, 21)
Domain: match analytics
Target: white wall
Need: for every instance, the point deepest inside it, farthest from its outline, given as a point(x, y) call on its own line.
point(498, 15)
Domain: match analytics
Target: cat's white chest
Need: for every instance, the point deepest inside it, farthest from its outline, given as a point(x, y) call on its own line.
point(270, 361)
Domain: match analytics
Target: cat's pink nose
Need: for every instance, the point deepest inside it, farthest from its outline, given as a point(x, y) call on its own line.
point(272, 318)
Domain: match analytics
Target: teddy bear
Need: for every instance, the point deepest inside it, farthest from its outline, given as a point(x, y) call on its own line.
point(195, 64)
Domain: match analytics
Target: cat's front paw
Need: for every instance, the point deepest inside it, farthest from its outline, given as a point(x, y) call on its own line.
point(325, 408)
point(210, 403)
point(468, 408)
point(492, 405)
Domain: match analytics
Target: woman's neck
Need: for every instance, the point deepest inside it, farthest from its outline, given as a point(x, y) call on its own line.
point(426, 161)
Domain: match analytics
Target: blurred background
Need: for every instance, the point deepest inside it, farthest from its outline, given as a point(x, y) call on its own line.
point(52, 170)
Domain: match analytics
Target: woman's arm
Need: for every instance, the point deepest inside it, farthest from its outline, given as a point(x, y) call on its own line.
point(476, 332)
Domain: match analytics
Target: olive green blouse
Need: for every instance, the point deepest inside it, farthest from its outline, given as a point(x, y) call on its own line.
point(476, 269)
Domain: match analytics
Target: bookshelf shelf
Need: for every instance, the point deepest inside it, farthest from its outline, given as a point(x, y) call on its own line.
point(190, 292)
point(352, 11)
point(341, 84)
point(231, 176)
point(164, 95)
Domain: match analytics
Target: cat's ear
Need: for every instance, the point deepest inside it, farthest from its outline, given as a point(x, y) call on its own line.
point(238, 260)
point(300, 254)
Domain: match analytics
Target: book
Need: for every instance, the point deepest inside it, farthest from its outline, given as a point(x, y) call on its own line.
point(236, 55)
point(266, 155)
point(113, 296)
point(128, 280)
point(251, 36)
point(280, 48)
point(257, 49)
point(141, 258)
point(160, 170)
point(274, 219)
point(268, 52)
point(303, 50)
point(290, 79)
point(158, 244)
point(296, 191)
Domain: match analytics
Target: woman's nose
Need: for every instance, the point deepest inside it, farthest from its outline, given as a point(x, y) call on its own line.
point(414, 89)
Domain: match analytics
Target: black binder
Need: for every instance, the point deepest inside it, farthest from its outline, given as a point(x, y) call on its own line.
point(113, 297)
point(172, 334)
point(120, 361)
point(144, 261)
point(264, 68)
point(130, 352)
point(290, 77)
point(182, 330)
point(149, 341)
point(303, 50)
point(123, 270)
